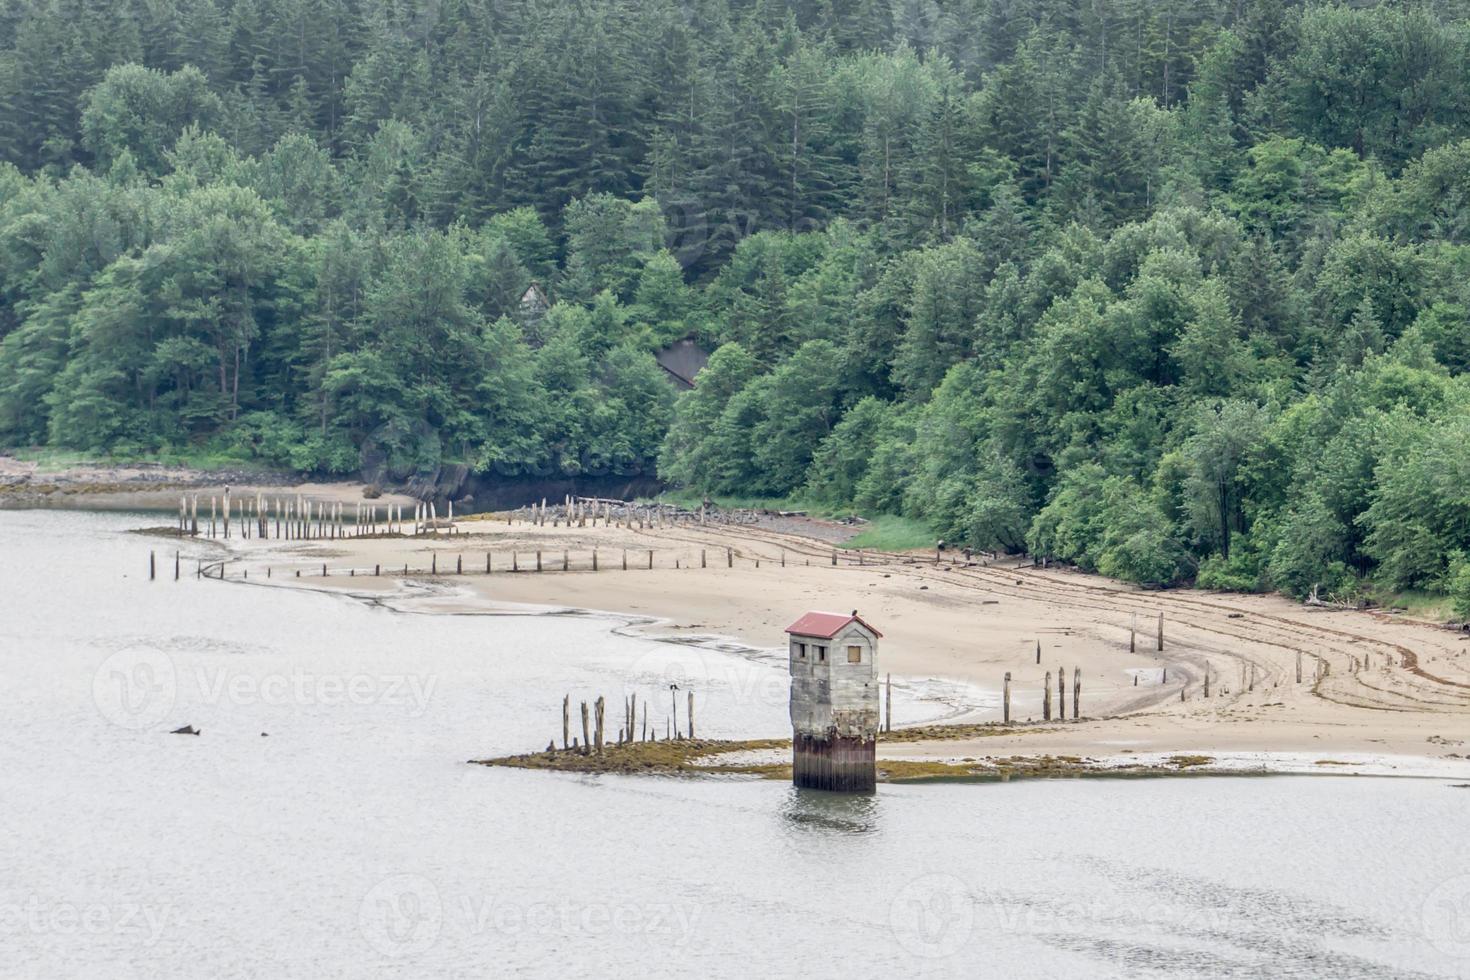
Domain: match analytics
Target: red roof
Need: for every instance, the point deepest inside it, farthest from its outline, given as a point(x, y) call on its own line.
point(827, 625)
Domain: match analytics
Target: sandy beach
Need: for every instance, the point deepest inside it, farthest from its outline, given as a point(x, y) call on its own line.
point(1379, 692)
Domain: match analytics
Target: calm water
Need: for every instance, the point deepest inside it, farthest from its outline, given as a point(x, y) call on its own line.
point(352, 839)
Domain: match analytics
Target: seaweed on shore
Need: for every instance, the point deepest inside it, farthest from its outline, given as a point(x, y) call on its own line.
point(702, 757)
point(669, 757)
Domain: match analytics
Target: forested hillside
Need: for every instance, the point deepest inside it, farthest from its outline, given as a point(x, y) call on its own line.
point(1169, 289)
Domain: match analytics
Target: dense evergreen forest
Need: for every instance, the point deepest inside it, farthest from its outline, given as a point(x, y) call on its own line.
point(1173, 290)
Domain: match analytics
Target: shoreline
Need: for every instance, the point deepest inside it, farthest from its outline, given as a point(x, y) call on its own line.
point(769, 759)
point(1391, 693)
point(26, 485)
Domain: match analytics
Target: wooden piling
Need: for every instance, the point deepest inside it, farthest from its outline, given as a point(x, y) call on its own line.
point(1062, 693)
point(586, 730)
point(1133, 634)
point(691, 714)
point(1038, 652)
point(1161, 629)
point(1046, 698)
point(1006, 701)
point(1076, 692)
point(888, 711)
point(600, 711)
point(1298, 667)
point(152, 566)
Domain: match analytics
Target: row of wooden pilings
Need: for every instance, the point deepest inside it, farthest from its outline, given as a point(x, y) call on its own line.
point(594, 726)
point(580, 511)
point(302, 519)
point(1046, 696)
point(539, 563)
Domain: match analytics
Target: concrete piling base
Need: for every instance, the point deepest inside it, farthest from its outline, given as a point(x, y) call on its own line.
point(837, 763)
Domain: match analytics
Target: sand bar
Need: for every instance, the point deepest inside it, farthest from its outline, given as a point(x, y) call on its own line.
point(1376, 687)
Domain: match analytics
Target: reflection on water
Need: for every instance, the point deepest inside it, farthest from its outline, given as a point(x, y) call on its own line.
point(325, 823)
point(811, 811)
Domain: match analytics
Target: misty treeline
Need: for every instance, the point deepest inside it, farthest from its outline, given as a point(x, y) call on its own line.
point(1172, 290)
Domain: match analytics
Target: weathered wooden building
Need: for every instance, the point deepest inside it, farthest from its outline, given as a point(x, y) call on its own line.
point(834, 702)
point(533, 301)
point(682, 361)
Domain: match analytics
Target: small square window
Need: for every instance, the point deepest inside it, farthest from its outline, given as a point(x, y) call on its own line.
point(854, 655)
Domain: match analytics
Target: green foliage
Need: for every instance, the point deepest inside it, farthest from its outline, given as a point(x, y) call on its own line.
point(1311, 549)
point(1458, 587)
point(139, 113)
point(1241, 572)
point(1111, 525)
point(1419, 518)
point(888, 532)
